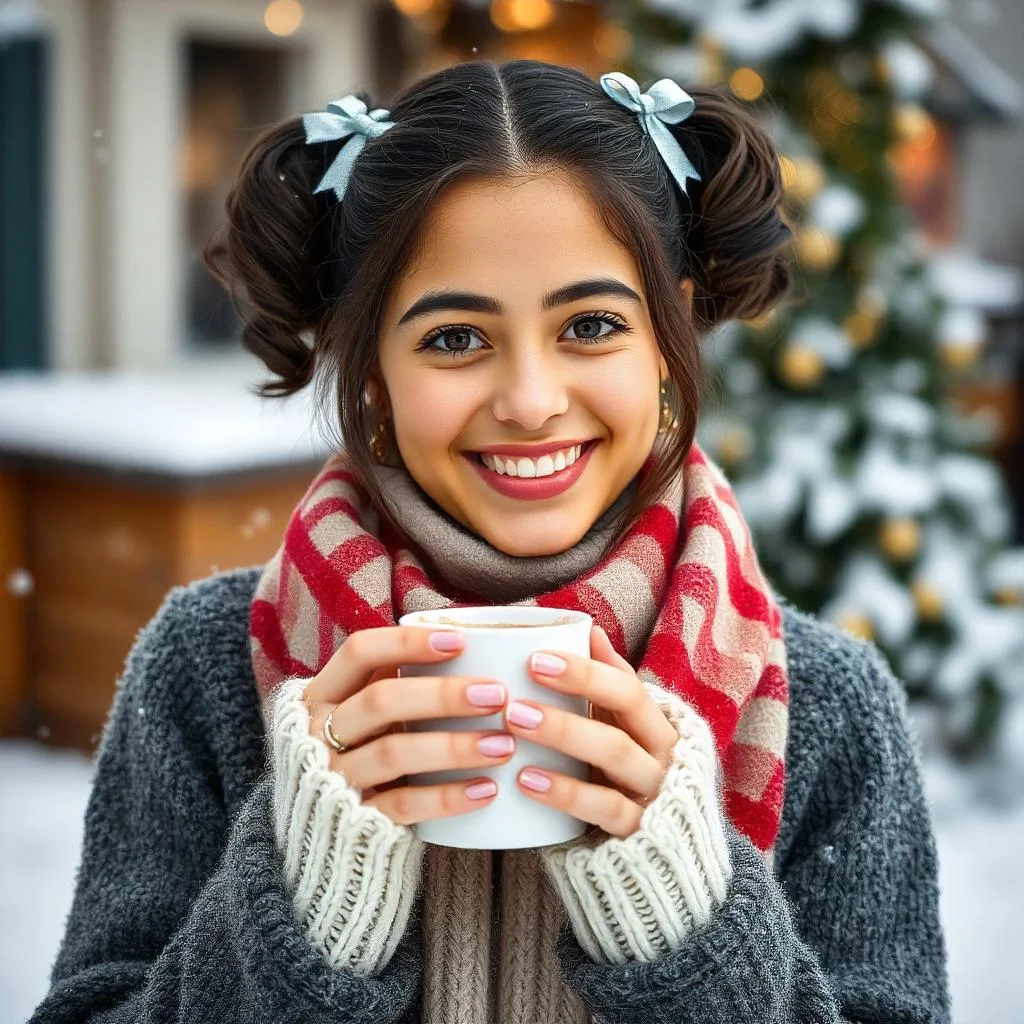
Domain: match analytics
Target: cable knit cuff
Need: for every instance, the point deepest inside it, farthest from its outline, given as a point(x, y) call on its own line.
point(640, 897)
point(353, 871)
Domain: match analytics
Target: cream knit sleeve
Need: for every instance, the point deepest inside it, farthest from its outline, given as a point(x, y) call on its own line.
point(640, 897)
point(353, 871)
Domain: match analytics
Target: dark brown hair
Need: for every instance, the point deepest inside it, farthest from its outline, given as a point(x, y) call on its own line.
point(311, 275)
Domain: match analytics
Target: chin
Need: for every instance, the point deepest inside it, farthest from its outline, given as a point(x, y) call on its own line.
point(530, 542)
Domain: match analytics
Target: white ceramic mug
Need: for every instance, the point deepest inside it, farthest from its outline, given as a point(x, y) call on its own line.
point(499, 642)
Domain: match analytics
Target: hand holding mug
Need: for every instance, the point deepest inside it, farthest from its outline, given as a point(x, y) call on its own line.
point(628, 741)
point(368, 703)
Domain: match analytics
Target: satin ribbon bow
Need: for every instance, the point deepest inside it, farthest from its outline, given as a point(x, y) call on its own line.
point(344, 118)
point(665, 102)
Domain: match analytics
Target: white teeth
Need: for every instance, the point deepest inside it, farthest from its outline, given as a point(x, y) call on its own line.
point(546, 465)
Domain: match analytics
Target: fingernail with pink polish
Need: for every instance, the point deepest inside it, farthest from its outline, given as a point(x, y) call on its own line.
point(447, 641)
point(524, 715)
point(548, 664)
point(481, 790)
point(534, 780)
point(498, 745)
point(486, 695)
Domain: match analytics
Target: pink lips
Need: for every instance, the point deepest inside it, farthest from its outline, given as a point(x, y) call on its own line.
point(533, 488)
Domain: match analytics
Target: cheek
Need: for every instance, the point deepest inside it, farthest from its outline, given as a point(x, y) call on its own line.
point(623, 401)
point(430, 413)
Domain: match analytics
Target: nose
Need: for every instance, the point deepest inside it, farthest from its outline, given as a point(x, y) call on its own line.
point(529, 390)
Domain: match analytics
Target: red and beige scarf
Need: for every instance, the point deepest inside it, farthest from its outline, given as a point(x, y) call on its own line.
point(681, 596)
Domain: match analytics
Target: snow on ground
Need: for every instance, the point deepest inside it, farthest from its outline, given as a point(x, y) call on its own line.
point(43, 795)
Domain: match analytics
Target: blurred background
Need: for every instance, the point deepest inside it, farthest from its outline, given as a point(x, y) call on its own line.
point(873, 426)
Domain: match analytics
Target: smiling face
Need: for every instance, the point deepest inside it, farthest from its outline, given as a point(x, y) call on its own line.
point(521, 327)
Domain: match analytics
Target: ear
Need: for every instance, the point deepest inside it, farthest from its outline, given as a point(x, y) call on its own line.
point(686, 287)
point(375, 393)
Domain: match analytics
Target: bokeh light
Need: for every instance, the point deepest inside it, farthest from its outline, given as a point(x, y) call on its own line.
point(522, 15)
point(746, 84)
point(283, 17)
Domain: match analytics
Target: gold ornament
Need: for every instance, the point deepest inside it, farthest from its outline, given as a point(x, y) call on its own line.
point(801, 367)
point(816, 249)
point(858, 624)
point(961, 356)
point(912, 123)
point(900, 539)
point(802, 178)
point(928, 601)
point(861, 329)
point(733, 446)
point(1009, 595)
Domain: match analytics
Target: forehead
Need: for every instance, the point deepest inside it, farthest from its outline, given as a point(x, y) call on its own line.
point(518, 235)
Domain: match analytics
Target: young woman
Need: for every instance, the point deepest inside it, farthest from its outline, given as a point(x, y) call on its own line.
point(503, 282)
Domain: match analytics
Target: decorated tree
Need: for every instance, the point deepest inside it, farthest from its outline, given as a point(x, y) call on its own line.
point(868, 489)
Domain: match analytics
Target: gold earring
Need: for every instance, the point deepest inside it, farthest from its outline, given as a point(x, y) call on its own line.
point(668, 419)
point(379, 440)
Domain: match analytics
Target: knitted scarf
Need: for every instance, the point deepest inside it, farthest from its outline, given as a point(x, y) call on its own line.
point(682, 598)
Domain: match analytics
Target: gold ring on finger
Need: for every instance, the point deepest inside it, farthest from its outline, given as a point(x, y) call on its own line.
point(331, 736)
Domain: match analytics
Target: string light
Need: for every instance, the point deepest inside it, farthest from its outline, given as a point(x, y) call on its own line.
point(414, 8)
point(521, 15)
point(283, 17)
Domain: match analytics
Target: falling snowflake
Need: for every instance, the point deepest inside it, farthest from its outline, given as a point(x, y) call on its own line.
point(20, 583)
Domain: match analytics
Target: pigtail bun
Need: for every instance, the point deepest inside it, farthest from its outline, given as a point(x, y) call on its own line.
point(272, 252)
point(738, 241)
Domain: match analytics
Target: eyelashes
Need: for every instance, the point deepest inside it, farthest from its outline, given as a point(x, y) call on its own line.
point(612, 320)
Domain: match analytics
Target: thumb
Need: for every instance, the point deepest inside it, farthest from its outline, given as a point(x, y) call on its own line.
point(601, 649)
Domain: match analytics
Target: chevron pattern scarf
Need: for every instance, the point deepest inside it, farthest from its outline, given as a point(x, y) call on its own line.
point(681, 596)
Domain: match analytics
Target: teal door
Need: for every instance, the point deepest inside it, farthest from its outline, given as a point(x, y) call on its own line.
point(23, 78)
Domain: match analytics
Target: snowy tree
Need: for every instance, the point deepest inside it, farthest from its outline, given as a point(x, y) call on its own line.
point(869, 492)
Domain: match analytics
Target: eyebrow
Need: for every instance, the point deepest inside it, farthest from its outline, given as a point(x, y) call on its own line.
point(434, 301)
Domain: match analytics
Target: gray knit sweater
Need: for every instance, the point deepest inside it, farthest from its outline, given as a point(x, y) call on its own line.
point(181, 911)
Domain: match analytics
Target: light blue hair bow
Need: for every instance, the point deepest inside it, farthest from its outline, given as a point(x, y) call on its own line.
point(344, 118)
point(665, 102)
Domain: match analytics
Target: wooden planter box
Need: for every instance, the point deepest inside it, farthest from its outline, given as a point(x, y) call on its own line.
point(100, 554)
point(89, 550)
